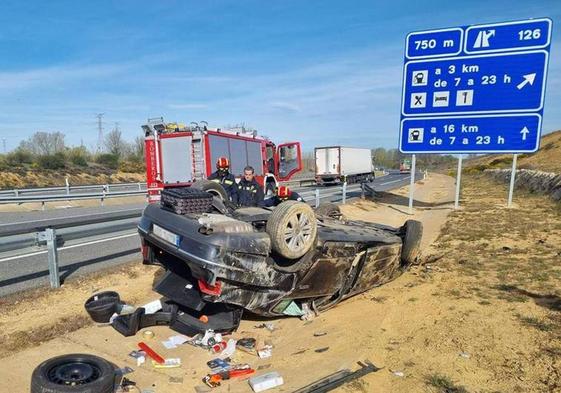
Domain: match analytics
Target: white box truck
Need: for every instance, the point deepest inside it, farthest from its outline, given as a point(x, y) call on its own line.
point(337, 164)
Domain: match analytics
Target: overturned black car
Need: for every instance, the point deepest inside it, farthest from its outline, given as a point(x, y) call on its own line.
point(288, 260)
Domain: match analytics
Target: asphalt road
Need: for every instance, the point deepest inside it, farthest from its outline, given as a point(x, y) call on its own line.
point(28, 268)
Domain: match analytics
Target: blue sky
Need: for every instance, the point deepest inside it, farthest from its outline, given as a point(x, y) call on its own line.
point(322, 72)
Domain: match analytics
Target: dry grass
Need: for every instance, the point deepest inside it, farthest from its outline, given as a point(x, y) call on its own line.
point(546, 159)
point(29, 338)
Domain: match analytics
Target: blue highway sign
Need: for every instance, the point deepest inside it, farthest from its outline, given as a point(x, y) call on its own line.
point(489, 78)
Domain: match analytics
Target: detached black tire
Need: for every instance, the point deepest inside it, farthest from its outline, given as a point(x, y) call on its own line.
point(75, 373)
point(211, 187)
point(411, 241)
point(292, 228)
point(329, 210)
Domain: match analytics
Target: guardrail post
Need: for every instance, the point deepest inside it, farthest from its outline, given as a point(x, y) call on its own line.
point(317, 197)
point(67, 186)
point(17, 193)
point(50, 236)
point(43, 205)
point(362, 191)
point(139, 187)
point(344, 192)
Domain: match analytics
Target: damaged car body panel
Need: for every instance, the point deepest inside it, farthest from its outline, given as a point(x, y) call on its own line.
point(232, 259)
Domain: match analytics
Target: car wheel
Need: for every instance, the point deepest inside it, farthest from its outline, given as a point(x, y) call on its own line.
point(211, 187)
point(292, 228)
point(411, 241)
point(329, 210)
point(75, 373)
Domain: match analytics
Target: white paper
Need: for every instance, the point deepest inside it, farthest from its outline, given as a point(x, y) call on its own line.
point(229, 350)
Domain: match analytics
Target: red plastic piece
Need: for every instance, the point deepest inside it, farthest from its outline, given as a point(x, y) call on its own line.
point(213, 290)
point(150, 352)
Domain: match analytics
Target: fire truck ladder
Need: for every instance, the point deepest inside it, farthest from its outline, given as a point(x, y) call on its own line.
point(198, 156)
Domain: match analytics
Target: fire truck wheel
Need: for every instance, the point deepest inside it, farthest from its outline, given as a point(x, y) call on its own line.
point(75, 373)
point(211, 187)
point(292, 228)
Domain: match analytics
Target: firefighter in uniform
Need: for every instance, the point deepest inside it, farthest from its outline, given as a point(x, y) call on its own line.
point(250, 193)
point(225, 178)
point(283, 193)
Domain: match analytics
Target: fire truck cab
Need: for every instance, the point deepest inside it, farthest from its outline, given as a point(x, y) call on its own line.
point(177, 155)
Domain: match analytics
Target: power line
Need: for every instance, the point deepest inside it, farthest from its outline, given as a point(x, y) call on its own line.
point(99, 131)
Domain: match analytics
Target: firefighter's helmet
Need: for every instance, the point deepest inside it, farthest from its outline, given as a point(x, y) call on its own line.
point(283, 192)
point(223, 163)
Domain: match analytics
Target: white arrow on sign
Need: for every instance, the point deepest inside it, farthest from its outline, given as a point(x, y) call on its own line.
point(525, 131)
point(527, 79)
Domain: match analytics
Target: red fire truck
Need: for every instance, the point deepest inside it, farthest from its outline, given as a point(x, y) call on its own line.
point(178, 155)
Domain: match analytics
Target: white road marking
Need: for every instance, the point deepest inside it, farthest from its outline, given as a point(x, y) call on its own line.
point(55, 218)
point(390, 182)
point(68, 247)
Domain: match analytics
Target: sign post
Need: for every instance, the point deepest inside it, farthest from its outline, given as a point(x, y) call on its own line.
point(458, 181)
point(512, 178)
point(475, 89)
point(412, 183)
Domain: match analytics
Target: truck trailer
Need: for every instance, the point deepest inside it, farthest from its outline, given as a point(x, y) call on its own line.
point(338, 164)
point(178, 155)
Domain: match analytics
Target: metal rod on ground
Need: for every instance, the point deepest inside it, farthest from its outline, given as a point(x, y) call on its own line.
point(512, 178)
point(317, 197)
point(412, 184)
point(344, 192)
point(458, 181)
point(50, 234)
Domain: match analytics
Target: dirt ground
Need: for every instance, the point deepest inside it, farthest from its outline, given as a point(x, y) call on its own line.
point(481, 315)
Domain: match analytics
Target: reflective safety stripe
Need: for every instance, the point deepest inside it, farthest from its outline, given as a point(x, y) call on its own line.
point(216, 180)
point(229, 182)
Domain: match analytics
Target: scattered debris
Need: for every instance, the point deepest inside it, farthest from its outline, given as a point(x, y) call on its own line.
point(398, 373)
point(168, 363)
point(148, 334)
point(267, 381)
point(299, 352)
point(151, 353)
point(267, 325)
point(264, 366)
point(140, 357)
point(339, 378)
point(175, 341)
point(247, 343)
point(321, 350)
point(320, 334)
point(465, 355)
point(176, 380)
point(213, 380)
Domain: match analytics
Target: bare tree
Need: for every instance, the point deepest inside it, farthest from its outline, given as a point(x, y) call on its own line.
point(138, 147)
point(114, 143)
point(44, 143)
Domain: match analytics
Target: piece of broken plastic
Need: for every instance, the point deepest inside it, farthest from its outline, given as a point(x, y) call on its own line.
point(168, 363)
point(266, 381)
point(293, 310)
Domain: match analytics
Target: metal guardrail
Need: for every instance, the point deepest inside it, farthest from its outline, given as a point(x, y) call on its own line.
point(85, 196)
point(68, 189)
point(59, 231)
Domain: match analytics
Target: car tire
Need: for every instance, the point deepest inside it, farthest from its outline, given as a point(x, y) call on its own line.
point(211, 187)
point(292, 228)
point(328, 210)
point(74, 373)
point(411, 242)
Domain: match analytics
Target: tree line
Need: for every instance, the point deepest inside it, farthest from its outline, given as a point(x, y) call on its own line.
point(48, 150)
